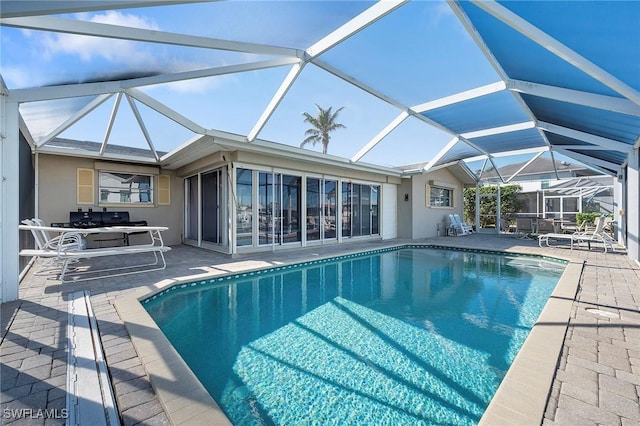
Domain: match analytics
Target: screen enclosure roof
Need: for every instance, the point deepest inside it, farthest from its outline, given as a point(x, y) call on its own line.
point(432, 84)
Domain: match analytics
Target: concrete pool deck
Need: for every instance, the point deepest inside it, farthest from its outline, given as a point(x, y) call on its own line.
point(596, 380)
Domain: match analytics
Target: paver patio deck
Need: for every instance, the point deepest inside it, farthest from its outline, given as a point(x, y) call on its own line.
point(597, 380)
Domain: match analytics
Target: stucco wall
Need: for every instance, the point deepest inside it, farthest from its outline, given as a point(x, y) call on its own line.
point(405, 209)
point(425, 219)
point(57, 196)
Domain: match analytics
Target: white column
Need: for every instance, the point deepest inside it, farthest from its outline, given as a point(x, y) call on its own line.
point(633, 205)
point(9, 196)
point(389, 211)
point(478, 207)
point(618, 205)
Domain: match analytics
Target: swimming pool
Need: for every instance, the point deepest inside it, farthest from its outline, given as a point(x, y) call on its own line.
point(396, 336)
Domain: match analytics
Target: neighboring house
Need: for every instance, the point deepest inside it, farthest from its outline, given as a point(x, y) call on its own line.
point(580, 189)
point(564, 199)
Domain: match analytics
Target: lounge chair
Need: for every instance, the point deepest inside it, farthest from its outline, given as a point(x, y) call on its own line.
point(63, 254)
point(46, 244)
point(597, 235)
point(45, 241)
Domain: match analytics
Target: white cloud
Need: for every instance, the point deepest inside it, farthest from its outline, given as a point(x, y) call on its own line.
point(116, 51)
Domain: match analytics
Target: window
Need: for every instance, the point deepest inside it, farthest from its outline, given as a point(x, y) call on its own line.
point(125, 188)
point(440, 197)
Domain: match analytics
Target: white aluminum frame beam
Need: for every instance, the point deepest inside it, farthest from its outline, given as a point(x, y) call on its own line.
point(511, 153)
point(360, 85)
point(534, 158)
point(499, 130)
point(89, 89)
point(600, 142)
point(358, 23)
point(286, 84)
point(166, 111)
point(554, 46)
point(591, 161)
point(112, 119)
point(467, 95)
point(13, 8)
point(84, 28)
point(380, 136)
point(136, 113)
point(593, 100)
point(441, 154)
point(99, 100)
point(363, 20)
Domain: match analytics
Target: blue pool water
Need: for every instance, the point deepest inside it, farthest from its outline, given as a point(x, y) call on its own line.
point(409, 336)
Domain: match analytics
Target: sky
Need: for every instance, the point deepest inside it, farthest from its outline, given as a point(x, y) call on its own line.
point(418, 53)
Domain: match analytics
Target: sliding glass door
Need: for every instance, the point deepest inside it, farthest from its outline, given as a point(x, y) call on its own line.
point(279, 204)
point(359, 210)
point(321, 209)
point(205, 209)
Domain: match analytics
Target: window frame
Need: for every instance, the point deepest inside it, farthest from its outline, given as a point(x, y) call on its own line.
point(112, 190)
point(441, 187)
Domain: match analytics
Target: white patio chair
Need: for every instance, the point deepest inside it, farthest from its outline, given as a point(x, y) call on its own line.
point(466, 227)
point(45, 242)
point(597, 235)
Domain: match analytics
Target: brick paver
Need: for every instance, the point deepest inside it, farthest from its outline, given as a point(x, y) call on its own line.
point(597, 381)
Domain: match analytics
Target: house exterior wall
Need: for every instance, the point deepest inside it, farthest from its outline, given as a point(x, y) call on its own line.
point(424, 218)
point(57, 196)
point(405, 209)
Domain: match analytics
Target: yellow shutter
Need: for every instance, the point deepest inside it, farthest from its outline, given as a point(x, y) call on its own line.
point(85, 189)
point(164, 190)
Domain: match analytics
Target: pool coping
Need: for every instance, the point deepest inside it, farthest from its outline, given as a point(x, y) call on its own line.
point(521, 398)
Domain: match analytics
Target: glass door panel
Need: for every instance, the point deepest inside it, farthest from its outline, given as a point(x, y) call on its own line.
point(329, 204)
point(244, 207)
point(346, 209)
point(356, 218)
point(191, 225)
point(290, 208)
point(313, 209)
point(211, 207)
point(266, 204)
point(365, 209)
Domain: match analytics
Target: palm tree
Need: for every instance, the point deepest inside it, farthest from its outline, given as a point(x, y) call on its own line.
point(323, 123)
